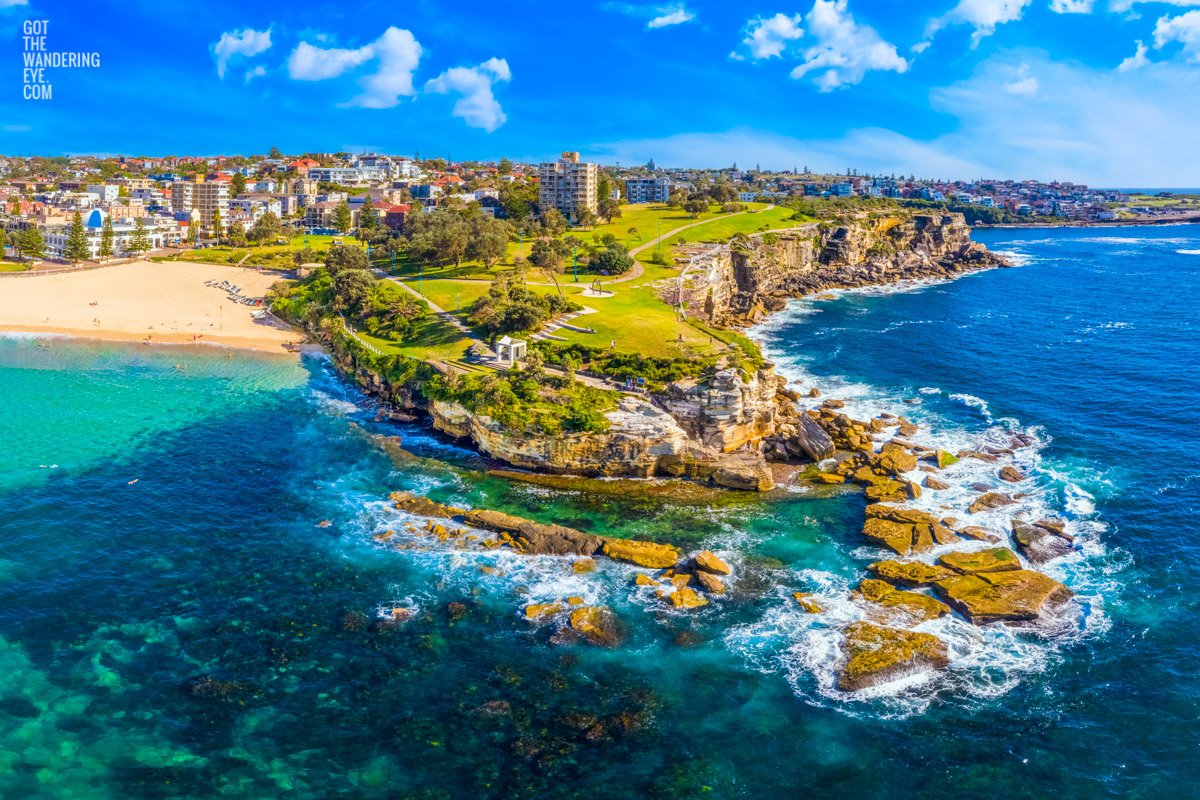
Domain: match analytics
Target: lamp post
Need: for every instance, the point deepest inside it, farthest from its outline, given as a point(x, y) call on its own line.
point(576, 263)
point(393, 269)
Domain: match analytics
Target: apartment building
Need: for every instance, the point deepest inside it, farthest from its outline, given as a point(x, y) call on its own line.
point(161, 231)
point(647, 190)
point(204, 197)
point(567, 184)
point(107, 192)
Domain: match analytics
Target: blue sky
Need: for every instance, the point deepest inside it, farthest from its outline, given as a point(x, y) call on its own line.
point(1098, 91)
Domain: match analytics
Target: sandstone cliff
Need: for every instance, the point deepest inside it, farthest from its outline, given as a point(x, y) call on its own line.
point(738, 285)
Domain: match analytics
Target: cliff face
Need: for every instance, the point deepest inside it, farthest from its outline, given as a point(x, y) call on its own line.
point(753, 277)
point(725, 412)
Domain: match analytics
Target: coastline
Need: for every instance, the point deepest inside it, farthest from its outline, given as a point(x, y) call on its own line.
point(152, 303)
point(1117, 223)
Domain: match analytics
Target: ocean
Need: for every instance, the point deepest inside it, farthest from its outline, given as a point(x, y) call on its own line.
point(196, 585)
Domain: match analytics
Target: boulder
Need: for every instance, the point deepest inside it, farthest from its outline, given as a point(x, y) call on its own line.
point(1011, 474)
point(900, 607)
point(709, 582)
point(909, 573)
point(944, 459)
point(707, 561)
point(998, 559)
point(583, 565)
point(1015, 596)
point(975, 532)
point(1040, 543)
point(645, 580)
point(644, 554)
point(895, 459)
point(834, 404)
point(990, 502)
point(684, 598)
point(813, 439)
point(907, 428)
point(598, 625)
point(745, 471)
point(829, 478)
point(931, 482)
point(887, 492)
point(874, 654)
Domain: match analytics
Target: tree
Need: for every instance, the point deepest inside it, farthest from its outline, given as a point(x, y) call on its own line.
point(368, 217)
point(275, 153)
point(352, 288)
point(122, 191)
point(554, 222)
point(505, 167)
point(696, 206)
point(610, 209)
point(1, 243)
point(584, 216)
point(264, 228)
point(193, 234)
point(217, 229)
point(488, 239)
point(77, 247)
point(612, 260)
point(676, 200)
point(603, 188)
point(548, 255)
point(106, 239)
point(633, 232)
point(30, 243)
point(341, 258)
point(239, 184)
point(438, 236)
point(140, 241)
point(342, 218)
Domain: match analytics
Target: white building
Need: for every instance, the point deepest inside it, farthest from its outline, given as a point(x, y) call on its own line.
point(256, 206)
point(647, 190)
point(106, 192)
point(162, 232)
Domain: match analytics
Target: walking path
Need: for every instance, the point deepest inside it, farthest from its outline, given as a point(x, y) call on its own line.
point(560, 323)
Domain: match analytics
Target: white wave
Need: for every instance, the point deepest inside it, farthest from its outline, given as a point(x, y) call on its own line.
point(1188, 252)
point(986, 662)
point(977, 403)
point(27, 336)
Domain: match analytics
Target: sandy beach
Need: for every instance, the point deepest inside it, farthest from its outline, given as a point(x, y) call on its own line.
point(167, 302)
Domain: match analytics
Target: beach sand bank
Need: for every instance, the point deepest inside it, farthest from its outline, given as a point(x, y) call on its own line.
point(167, 302)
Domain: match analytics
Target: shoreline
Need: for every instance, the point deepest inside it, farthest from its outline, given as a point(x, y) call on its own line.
point(1106, 224)
point(263, 347)
point(151, 303)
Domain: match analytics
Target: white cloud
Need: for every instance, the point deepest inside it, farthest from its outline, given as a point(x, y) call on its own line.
point(1127, 5)
point(232, 44)
point(1184, 29)
point(1093, 126)
point(1137, 60)
point(845, 51)
point(13, 3)
point(1026, 86)
point(257, 72)
point(768, 37)
point(657, 16)
point(308, 63)
point(983, 15)
point(1072, 6)
point(477, 106)
point(397, 52)
point(672, 15)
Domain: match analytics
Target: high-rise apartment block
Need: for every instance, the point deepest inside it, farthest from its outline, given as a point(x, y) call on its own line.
point(567, 184)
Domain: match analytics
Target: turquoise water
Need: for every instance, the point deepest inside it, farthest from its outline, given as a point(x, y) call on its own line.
point(196, 633)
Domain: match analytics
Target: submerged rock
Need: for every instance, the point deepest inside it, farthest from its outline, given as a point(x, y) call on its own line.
point(598, 625)
point(543, 611)
point(809, 605)
point(1014, 596)
point(709, 582)
point(875, 654)
point(1011, 474)
point(684, 598)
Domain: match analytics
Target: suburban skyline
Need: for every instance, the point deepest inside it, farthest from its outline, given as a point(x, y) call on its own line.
point(1091, 91)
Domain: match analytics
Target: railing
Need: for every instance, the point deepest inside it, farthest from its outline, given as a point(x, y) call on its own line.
point(351, 333)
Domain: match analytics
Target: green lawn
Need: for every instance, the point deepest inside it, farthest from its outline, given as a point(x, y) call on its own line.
point(12, 266)
point(434, 338)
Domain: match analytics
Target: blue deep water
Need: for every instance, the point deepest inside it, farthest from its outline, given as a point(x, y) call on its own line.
point(176, 620)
